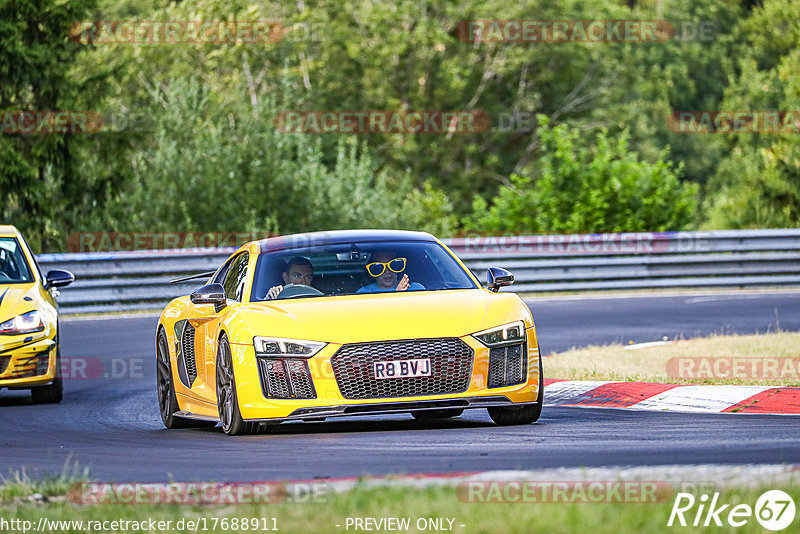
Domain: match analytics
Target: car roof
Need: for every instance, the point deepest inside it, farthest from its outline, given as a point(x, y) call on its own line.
point(8, 231)
point(340, 236)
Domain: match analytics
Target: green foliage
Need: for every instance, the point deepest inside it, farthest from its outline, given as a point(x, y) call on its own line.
point(39, 190)
point(583, 190)
point(190, 143)
point(688, 72)
point(211, 167)
point(758, 185)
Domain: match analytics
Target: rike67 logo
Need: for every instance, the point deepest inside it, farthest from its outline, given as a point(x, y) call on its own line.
point(774, 510)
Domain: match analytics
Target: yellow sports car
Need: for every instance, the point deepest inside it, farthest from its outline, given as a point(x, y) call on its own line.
point(354, 322)
point(29, 355)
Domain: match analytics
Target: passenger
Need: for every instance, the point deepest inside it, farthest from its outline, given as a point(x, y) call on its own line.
point(298, 271)
point(385, 267)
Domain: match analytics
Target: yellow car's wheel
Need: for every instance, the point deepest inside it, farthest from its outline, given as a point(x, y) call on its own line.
point(51, 393)
point(524, 415)
point(227, 402)
point(167, 401)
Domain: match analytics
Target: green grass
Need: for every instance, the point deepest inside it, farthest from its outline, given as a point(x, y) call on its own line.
point(434, 502)
point(19, 485)
point(616, 363)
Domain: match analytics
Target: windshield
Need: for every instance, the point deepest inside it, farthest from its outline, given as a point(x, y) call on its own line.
point(13, 267)
point(350, 268)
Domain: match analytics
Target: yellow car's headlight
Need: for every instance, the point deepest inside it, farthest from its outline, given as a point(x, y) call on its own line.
point(499, 336)
point(27, 323)
point(278, 347)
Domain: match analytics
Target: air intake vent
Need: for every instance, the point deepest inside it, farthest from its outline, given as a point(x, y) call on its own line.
point(33, 365)
point(187, 348)
point(184, 349)
point(507, 366)
point(286, 378)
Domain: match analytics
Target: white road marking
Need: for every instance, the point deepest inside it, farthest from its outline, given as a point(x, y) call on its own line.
point(561, 392)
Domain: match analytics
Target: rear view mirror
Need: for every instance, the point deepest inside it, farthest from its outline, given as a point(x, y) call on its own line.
point(210, 294)
point(58, 278)
point(497, 278)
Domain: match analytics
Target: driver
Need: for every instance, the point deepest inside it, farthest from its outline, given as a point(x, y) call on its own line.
point(298, 271)
point(384, 268)
point(6, 267)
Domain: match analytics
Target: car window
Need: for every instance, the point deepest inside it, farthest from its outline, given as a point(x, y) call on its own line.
point(13, 267)
point(341, 268)
point(235, 277)
point(35, 261)
point(222, 273)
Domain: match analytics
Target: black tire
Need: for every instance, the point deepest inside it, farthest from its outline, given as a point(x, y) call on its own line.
point(165, 387)
point(227, 401)
point(524, 415)
point(444, 413)
point(51, 393)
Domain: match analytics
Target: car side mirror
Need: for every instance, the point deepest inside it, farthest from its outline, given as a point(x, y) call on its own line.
point(210, 294)
point(58, 278)
point(497, 278)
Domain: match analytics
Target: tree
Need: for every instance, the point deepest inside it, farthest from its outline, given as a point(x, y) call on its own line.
point(214, 167)
point(758, 185)
point(578, 190)
point(39, 187)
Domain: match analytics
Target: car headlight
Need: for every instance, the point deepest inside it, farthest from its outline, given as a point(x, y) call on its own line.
point(278, 347)
point(500, 336)
point(27, 323)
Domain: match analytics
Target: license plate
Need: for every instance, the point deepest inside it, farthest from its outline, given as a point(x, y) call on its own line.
point(402, 368)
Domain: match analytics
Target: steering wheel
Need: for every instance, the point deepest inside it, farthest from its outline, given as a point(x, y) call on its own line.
point(4, 276)
point(292, 291)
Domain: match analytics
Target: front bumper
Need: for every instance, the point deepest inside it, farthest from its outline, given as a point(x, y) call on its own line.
point(387, 407)
point(329, 401)
point(27, 361)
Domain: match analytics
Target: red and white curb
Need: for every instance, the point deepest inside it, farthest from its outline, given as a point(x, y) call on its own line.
point(673, 397)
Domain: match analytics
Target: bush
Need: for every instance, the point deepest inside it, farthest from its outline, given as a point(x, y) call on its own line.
point(212, 167)
point(582, 190)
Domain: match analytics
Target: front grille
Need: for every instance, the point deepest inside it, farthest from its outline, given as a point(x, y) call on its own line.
point(4, 363)
point(287, 378)
point(33, 365)
point(187, 349)
point(506, 366)
point(451, 368)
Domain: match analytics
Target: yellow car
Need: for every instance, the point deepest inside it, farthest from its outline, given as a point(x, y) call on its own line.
point(354, 322)
point(29, 355)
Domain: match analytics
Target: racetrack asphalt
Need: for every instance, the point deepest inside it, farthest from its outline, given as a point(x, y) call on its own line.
point(111, 424)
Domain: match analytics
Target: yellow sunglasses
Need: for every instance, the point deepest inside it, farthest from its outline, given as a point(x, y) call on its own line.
point(397, 265)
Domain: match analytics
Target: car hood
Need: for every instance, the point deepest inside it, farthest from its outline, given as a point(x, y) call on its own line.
point(11, 300)
point(355, 318)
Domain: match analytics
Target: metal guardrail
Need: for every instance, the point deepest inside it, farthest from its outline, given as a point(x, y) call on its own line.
point(731, 258)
